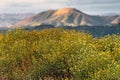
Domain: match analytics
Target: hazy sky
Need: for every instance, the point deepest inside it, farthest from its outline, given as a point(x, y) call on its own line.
point(87, 6)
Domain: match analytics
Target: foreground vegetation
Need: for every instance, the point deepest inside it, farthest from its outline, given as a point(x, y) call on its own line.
point(57, 54)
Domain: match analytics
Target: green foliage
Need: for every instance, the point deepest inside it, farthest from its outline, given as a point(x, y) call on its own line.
point(55, 54)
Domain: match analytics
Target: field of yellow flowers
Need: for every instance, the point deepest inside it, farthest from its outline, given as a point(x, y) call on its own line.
point(58, 54)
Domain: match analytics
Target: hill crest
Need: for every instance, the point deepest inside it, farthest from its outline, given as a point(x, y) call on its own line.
point(66, 17)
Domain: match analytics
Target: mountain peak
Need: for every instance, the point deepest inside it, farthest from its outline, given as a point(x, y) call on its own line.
point(64, 11)
point(68, 17)
point(67, 9)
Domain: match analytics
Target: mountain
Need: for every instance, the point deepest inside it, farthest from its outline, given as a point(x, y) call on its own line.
point(8, 20)
point(67, 17)
point(116, 21)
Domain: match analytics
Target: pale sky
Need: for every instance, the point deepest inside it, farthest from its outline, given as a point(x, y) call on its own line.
point(36, 6)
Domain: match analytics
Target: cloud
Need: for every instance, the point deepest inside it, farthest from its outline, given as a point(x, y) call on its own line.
point(90, 6)
point(33, 5)
point(2, 4)
point(31, 2)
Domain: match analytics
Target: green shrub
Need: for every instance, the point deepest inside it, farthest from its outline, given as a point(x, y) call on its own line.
point(58, 54)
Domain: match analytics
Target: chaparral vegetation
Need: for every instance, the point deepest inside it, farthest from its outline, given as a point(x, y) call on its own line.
point(58, 54)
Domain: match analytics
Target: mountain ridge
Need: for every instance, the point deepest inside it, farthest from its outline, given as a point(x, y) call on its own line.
point(67, 17)
point(8, 20)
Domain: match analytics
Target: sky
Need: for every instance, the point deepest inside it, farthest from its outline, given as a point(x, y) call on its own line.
point(36, 6)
